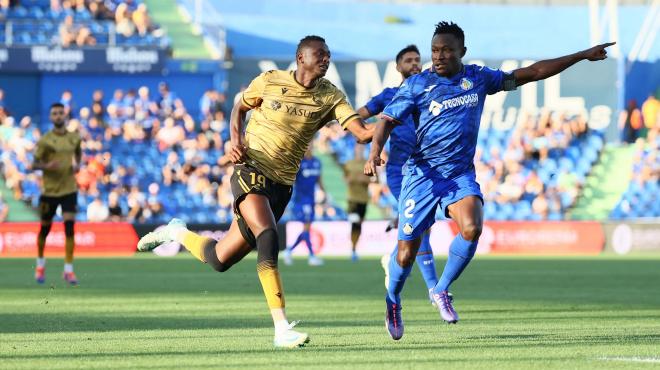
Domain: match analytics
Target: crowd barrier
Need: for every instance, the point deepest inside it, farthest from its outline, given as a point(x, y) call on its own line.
point(332, 238)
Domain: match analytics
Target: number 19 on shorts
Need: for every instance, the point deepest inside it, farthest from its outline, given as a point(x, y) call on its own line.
point(257, 178)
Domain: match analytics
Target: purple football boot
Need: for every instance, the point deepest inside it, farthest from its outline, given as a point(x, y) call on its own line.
point(393, 320)
point(443, 302)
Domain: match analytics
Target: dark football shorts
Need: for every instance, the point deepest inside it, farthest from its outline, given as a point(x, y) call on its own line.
point(248, 180)
point(356, 211)
point(48, 205)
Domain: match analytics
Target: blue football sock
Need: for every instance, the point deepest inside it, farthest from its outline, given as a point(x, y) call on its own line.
point(461, 252)
point(300, 238)
point(308, 242)
point(426, 263)
point(398, 277)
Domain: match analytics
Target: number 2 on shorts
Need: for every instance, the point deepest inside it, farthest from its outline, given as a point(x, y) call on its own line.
point(410, 205)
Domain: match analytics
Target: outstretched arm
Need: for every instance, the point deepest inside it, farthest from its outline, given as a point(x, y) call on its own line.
point(548, 68)
point(383, 130)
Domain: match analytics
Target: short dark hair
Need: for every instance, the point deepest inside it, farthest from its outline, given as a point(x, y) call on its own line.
point(450, 28)
point(307, 40)
point(407, 49)
point(56, 105)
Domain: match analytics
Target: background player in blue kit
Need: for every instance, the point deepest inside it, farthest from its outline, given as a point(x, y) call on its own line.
point(402, 144)
point(446, 103)
point(303, 201)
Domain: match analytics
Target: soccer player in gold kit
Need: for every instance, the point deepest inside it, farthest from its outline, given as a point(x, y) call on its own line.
point(358, 195)
point(58, 155)
point(288, 108)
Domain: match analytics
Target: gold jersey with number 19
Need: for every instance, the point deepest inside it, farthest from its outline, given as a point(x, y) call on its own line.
point(284, 119)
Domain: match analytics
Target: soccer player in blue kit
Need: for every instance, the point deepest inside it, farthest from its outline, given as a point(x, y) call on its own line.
point(302, 201)
point(446, 102)
point(402, 144)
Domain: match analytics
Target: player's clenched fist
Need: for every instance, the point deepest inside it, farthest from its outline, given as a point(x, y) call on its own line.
point(237, 152)
point(372, 163)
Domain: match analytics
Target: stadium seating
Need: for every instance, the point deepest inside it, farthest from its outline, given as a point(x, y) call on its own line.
point(34, 22)
point(640, 199)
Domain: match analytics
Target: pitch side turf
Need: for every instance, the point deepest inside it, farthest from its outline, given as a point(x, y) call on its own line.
point(159, 313)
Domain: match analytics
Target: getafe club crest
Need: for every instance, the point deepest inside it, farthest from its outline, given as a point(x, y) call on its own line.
point(466, 84)
point(407, 229)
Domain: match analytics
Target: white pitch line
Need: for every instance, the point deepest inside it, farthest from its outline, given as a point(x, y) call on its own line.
point(652, 360)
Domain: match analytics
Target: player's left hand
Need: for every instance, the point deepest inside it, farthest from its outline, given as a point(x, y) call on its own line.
point(597, 52)
point(372, 164)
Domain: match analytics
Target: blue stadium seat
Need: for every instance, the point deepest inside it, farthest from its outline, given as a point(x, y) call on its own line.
point(47, 26)
point(566, 163)
point(656, 209)
point(583, 167)
point(36, 12)
point(573, 153)
point(565, 200)
point(23, 38)
point(97, 28)
point(591, 154)
point(523, 210)
point(550, 165)
point(507, 211)
point(18, 12)
point(41, 38)
point(596, 142)
point(80, 16)
point(555, 216)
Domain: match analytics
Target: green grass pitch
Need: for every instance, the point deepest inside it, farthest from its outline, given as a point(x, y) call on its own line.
point(175, 313)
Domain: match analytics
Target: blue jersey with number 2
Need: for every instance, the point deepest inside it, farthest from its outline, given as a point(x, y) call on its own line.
point(446, 113)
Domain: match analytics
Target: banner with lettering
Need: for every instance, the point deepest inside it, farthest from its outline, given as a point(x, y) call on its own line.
point(639, 236)
point(119, 59)
point(19, 239)
point(333, 238)
point(541, 238)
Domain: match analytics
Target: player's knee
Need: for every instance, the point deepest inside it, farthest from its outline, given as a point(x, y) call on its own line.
point(211, 257)
point(44, 230)
point(356, 227)
point(68, 228)
point(471, 232)
point(405, 257)
point(268, 246)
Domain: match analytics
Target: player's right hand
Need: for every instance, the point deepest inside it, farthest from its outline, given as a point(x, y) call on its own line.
point(372, 163)
point(237, 152)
